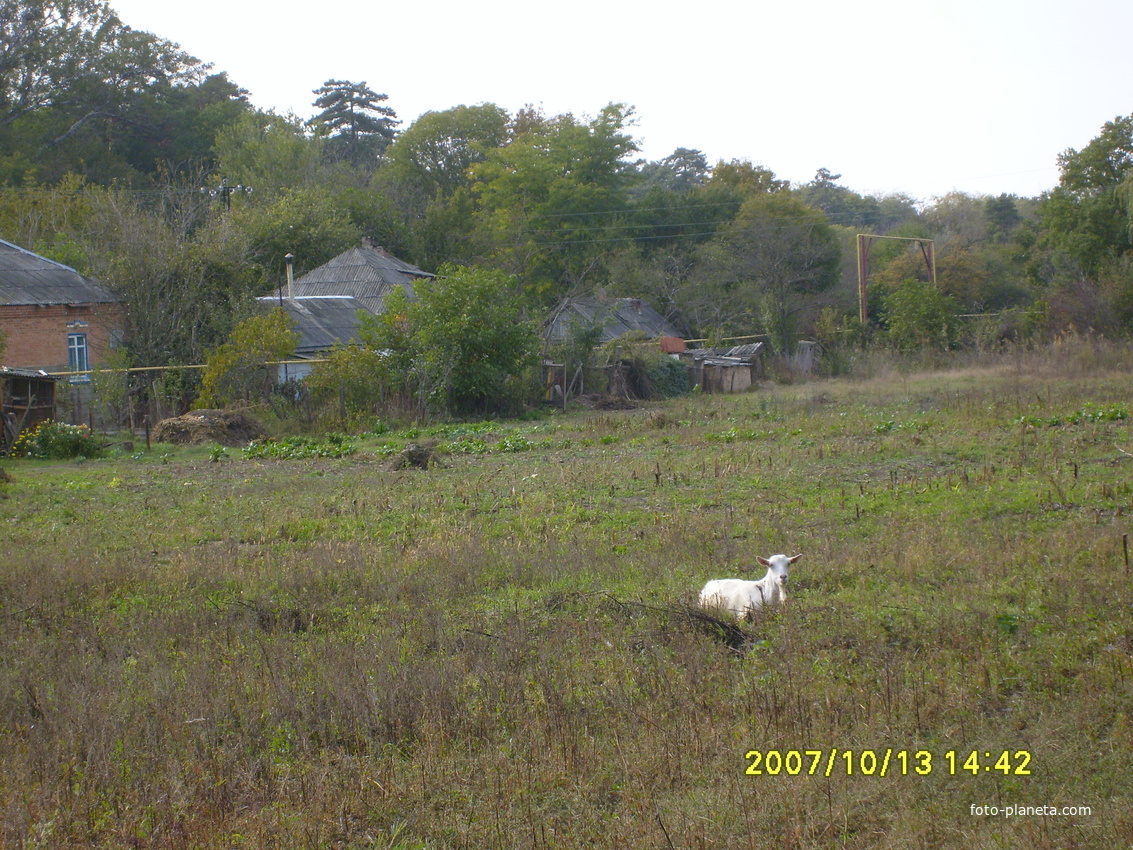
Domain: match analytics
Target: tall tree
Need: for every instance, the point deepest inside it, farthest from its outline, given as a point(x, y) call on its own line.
point(551, 198)
point(46, 47)
point(184, 284)
point(680, 206)
point(766, 264)
point(163, 129)
point(1088, 214)
point(841, 205)
point(958, 219)
point(82, 92)
point(432, 157)
point(309, 223)
point(353, 117)
point(269, 152)
point(427, 174)
point(681, 171)
point(1003, 216)
point(746, 178)
point(1085, 249)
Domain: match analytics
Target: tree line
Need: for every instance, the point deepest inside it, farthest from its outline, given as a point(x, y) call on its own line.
point(108, 135)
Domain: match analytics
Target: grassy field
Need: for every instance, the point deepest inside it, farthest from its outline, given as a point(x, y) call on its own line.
point(200, 649)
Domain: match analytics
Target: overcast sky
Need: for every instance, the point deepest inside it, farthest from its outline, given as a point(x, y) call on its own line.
point(915, 96)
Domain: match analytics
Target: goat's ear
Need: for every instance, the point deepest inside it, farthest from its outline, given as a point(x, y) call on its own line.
point(763, 561)
point(792, 560)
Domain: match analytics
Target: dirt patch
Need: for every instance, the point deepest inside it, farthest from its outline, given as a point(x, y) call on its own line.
point(228, 427)
point(603, 401)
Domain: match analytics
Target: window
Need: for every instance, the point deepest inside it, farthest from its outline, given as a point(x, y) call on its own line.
point(78, 357)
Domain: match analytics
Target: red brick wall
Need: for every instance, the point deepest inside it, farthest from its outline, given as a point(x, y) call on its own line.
point(37, 336)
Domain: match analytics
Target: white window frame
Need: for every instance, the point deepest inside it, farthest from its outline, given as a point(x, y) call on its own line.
point(78, 357)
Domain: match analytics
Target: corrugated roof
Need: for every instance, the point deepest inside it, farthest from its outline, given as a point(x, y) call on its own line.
point(750, 351)
point(616, 317)
point(10, 372)
point(739, 355)
point(366, 273)
point(321, 321)
point(27, 278)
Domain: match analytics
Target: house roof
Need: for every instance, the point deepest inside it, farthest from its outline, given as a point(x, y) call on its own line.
point(321, 320)
point(616, 317)
point(27, 278)
point(366, 273)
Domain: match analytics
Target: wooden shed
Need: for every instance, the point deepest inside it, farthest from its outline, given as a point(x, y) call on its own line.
point(27, 397)
point(615, 317)
point(729, 370)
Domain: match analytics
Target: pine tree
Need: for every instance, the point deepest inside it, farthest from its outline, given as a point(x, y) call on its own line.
point(359, 128)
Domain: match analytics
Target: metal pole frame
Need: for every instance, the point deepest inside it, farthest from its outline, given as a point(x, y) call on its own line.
point(865, 242)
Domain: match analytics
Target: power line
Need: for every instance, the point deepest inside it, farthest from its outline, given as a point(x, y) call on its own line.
point(681, 234)
point(735, 202)
point(618, 226)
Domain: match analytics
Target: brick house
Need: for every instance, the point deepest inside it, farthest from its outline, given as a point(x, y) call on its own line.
point(52, 318)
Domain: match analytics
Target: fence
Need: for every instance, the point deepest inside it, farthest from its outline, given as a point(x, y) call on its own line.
point(129, 399)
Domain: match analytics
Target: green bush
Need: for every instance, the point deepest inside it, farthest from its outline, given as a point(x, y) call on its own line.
point(353, 383)
point(58, 441)
point(669, 377)
point(462, 344)
point(919, 315)
point(238, 370)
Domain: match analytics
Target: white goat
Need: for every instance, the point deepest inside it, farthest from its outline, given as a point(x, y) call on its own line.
point(744, 597)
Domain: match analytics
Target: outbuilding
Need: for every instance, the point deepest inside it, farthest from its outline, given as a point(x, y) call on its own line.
point(615, 317)
point(27, 397)
point(729, 370)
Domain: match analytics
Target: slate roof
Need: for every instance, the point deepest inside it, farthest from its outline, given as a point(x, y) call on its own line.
point(17, 372)
point(366, 273)
point(739, 355)
point(321, 320)
point(750, 351)
point(27, 278)
point(616, 316)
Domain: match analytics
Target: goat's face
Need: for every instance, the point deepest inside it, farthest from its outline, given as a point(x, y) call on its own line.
point(781, 581)
point(779, 566)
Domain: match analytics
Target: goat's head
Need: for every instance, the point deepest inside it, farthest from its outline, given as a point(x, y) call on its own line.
point(779, 566)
